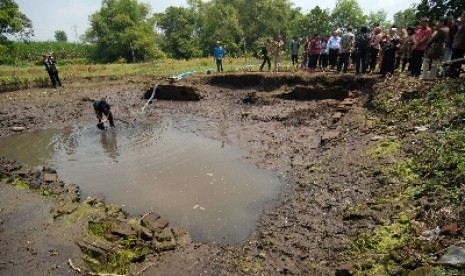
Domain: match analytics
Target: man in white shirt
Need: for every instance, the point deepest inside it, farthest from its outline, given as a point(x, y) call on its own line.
point(334, 45)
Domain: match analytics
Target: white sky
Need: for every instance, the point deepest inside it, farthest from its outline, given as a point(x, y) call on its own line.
point(71, 16)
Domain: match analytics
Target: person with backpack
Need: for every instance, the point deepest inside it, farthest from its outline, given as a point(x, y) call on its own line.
point(266, 55)
point(362, 45)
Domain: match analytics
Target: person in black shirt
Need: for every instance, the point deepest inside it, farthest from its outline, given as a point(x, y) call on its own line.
point(266, 54)
point(101, 107)
point(50, 66)
point(362, 45)
point(389, 45)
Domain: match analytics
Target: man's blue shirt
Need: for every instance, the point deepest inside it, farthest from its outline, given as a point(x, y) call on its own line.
point(218, 52)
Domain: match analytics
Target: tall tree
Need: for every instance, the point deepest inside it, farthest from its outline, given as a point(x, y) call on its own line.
point(122, 29)
point(264, 18)
point(405, 18)
point(12, 21)
point(379, 17)
point(179, 26)
point(60, 35)
point(435, 10)
point(347, 13)
point(221, 23)
point(316, 21)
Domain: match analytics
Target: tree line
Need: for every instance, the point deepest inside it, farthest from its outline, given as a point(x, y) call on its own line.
point(126, 29)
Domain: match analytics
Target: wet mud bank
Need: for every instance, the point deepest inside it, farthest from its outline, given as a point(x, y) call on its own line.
point(173, 93)
point(272, 81)
point(311, 139)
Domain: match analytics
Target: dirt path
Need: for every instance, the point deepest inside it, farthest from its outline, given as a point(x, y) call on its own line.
point(314, 145)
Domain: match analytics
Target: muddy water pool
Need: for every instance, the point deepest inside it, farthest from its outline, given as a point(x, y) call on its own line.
point(187, 178)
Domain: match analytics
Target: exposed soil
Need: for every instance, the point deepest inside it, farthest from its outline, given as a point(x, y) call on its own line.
point(312, 129)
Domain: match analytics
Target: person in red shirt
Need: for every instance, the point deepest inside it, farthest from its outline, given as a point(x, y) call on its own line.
point(422, 37)
point(314, 51)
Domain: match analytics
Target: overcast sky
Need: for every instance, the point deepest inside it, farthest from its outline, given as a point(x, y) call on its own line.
point(72, 16)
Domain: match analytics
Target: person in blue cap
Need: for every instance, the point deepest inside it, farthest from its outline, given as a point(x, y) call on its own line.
point(218, 54)
point(101, 107)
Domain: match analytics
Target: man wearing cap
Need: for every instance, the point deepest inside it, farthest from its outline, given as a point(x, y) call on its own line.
point(422, 37)
point(458, 46)
point(218, 54)
point(101, 107)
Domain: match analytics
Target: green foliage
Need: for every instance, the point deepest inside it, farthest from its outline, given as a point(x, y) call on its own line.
point(99, 229)
point(427, 188)
point(379, 17)
point(265, 18)
point(347, 13)
point(221, 23)
point(179, 26)
point(405, 18)
point(32, 51)
point(12, 21)
point(19, 184)
point(60, 35)
point(385, 239)
point(439, 9)
point(316, 21)
point(122, 28)
point(117, 261)
point(384, 148)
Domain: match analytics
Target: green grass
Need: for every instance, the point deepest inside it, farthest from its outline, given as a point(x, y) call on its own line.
point(432, 171)
point(29, 74)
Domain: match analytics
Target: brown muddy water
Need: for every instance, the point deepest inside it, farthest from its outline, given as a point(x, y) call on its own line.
point(187, 178)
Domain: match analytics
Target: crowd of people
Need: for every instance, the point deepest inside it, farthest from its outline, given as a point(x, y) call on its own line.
point(417, 51)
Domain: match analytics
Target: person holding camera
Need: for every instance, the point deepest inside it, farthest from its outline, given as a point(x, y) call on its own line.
point(50, 66)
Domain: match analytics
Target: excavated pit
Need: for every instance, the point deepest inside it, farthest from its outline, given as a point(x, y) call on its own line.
point(296, 87)
point(280, 123)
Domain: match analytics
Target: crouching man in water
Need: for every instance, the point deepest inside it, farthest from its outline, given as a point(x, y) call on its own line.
point(101, 107)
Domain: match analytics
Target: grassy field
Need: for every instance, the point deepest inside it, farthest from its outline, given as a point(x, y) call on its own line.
point(19, 77)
